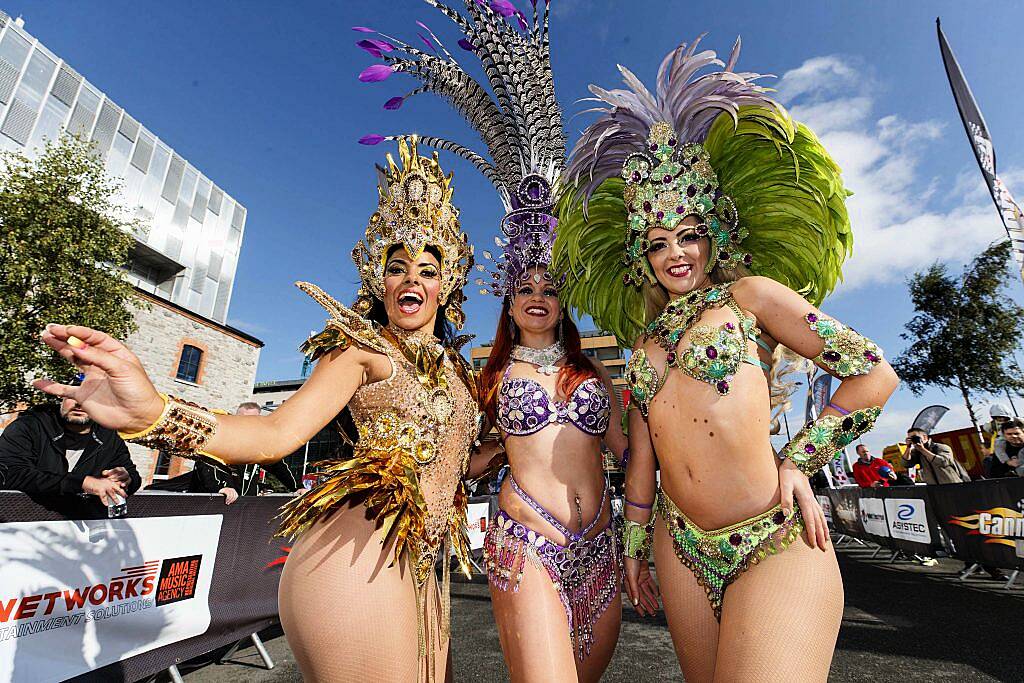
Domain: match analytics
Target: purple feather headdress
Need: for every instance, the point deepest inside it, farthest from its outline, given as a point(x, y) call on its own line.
point(514, 111)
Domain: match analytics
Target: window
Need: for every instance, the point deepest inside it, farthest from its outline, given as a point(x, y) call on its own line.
point(188, 365)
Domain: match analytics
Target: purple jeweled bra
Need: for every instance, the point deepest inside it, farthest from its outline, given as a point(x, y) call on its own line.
point(525, 407)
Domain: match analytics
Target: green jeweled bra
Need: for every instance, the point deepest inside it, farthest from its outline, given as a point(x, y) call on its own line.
point(712, 355)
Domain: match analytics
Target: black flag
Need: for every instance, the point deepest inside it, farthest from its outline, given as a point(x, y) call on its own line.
point(981, 142)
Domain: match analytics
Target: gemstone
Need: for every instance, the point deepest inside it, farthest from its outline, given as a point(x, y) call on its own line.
point(847, 424)
point(635, 177)
point(666, 179)
point(660, 215)
point(671, 142)
point(648, 206)
point(809, 448)
point(654, 147)
point(735, 539)
point(680, 523)
point(779, 517)
point(711, 352)
point(723, 256)
point(730, 327)
point(680, 209)
point(671, 357)
point(723, 387)
point(871, 357)
point(832, 356)
point(748, 259)
point(691, 191)
point(811, 318)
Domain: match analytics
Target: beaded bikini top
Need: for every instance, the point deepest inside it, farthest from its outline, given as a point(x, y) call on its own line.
point(712, 355)
point(525, 407)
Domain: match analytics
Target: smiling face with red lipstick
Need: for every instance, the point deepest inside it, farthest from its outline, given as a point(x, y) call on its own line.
point(412, 289)
point(535, 306)
point(679, 257)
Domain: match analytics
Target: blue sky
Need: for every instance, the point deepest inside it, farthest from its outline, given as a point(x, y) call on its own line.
point(263, 98)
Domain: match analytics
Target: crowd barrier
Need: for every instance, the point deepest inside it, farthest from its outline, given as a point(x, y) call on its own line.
point(979, 522)
point(87, 598)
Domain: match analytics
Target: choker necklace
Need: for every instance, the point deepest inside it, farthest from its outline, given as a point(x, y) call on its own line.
point(544, 359)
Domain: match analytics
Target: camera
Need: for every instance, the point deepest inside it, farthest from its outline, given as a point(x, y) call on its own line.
point(916, 439)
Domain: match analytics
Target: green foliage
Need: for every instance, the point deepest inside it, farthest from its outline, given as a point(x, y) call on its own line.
point(62, 245)
point(965, 330)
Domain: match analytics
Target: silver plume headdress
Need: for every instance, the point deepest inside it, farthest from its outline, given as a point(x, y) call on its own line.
point(518, 118)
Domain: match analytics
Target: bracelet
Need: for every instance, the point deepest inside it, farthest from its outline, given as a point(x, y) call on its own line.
point(818, 442)
point(636, 539)
point(639, 505)
point(838, 408)
point(183, 429)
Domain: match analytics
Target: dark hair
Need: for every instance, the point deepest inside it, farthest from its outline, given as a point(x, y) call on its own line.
point(859, 446)
point(918, 430)
point(1012, 423)
point(443, 330)
point(248, 405)
point(577, 369)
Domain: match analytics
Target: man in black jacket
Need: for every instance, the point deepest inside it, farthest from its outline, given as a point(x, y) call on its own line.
point(57, 450)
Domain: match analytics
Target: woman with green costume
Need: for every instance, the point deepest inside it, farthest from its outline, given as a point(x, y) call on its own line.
point(703, 226)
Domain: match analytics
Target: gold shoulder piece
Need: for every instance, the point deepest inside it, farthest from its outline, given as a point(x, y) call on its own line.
point(465, 372)
point(342, 328)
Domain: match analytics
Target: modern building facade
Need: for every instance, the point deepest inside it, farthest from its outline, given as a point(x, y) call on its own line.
point(190, 252)
point(183, 264)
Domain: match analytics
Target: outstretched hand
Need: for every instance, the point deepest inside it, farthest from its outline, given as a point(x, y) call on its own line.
point(794, 484)
point(116, 391)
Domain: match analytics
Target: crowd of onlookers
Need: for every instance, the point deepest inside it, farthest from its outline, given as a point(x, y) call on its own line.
point(935, 463)
point(55, 449)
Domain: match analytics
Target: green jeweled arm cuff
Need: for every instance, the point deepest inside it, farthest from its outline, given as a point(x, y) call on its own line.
point(817, 443)
point(846, 353)
point(636, 539)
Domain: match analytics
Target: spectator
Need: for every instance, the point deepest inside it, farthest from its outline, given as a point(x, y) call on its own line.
point(991, 429)
point(937, 463)
point(1006, 460)
point(207, 478)
point(56, 449)
point(868, 471)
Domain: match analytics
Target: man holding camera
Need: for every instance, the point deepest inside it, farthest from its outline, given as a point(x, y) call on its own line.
point(937, 463)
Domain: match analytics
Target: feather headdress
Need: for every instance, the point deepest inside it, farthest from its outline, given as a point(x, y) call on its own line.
point(713, 145)
point(517, 118)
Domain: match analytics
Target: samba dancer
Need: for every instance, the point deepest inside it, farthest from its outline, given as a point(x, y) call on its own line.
point(702, 184)
point(370, 533)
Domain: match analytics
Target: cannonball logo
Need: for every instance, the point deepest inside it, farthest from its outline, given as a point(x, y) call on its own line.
point(905, 512)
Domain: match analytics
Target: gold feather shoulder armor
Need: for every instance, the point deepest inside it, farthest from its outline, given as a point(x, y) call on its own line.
point(343, 327)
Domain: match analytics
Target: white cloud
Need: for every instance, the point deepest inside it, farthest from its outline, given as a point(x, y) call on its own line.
point(903, 219)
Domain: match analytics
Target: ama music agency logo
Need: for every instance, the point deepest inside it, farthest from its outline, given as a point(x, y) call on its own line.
point(178, 578)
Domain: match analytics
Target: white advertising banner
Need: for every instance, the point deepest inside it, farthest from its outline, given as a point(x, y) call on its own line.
point(78, 595)
point(872, 516)
point(826, 507)
point(907, 519)
point(477, 522)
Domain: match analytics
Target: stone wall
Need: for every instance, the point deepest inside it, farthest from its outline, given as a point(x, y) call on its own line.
point(226, 372)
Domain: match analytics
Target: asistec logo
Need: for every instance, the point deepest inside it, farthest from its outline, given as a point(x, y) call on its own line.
point(908, 520)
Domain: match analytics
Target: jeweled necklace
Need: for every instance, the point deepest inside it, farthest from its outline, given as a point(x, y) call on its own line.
point(544, 359)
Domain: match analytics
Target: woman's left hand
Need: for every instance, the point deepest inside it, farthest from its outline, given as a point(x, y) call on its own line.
point(794, 484)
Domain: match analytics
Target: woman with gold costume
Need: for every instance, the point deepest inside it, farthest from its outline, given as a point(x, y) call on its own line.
point(359, 599)
point(702, 225)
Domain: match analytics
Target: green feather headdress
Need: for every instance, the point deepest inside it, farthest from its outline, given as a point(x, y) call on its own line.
point(787, 197)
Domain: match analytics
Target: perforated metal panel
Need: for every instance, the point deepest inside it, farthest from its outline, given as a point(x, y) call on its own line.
point(216, 199)
point(220, 306)
point(198, 278)
point(173, 181)
point(65, 86)
point(8, 78)
point(238, 219)
point(129, 127)
point(215, 264)
point(173, 248)
point(106, 126)
point(202, 199)
point(143, 152)
point(18, 124)
point(84, 113)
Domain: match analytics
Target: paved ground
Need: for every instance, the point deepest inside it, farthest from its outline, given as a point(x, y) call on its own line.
point(902, 622)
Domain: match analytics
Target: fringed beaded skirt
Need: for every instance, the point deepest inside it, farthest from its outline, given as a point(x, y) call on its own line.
point(586, 573)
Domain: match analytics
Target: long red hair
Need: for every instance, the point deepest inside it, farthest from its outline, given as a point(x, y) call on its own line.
point(577, 369)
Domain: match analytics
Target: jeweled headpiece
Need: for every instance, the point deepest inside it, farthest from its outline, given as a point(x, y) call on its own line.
point(712, 145)
point(414, 210)
point(521, 124)
point(667, 182)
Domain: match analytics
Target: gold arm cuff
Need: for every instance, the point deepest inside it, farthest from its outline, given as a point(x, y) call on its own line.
point(184, 429)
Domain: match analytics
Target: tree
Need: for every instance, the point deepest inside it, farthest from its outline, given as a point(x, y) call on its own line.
point(63, 243)
point(965, 330)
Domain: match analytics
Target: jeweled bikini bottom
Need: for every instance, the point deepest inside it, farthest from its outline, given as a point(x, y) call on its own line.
point(586, 573)
point(719, 556)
